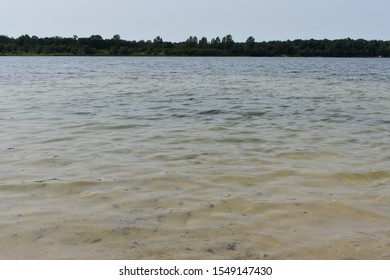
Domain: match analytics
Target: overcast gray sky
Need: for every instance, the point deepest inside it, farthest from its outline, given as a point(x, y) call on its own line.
point(176, 20)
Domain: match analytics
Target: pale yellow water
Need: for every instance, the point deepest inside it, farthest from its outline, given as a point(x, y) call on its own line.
point(194, 158)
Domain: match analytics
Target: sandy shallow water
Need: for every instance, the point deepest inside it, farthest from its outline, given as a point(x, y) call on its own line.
point(194, 158)
point(183, 219)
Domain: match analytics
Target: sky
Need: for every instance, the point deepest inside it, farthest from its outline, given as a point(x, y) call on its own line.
point(176, 20)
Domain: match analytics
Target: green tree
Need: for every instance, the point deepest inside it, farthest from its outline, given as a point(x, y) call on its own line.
point(228, 39)
point(116, 37)
point(124, 51)
point(158, 40)
point(203, 42)
point(215, 41)
point(250, 42)
point(95, 42)
point(227, 43)
point(192, 42)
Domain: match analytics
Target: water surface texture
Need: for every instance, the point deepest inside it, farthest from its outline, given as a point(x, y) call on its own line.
point(194, 158)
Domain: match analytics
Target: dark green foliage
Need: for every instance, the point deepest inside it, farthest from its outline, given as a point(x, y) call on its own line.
point(96, 45)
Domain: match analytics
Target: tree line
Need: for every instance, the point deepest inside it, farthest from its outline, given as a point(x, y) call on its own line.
point(225, 46)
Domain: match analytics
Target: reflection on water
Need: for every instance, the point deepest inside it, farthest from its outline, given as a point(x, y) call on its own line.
point(201, 158)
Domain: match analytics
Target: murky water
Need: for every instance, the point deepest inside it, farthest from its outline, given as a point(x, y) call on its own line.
point(194, 158)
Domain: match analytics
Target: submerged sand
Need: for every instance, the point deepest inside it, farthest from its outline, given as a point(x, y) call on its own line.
point(187, 219)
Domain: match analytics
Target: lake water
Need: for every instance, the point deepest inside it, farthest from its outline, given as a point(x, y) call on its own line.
point(194, 158)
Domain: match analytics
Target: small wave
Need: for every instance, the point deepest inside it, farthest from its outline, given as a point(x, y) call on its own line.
point(370, 176)
point(336, 118)
point(253, 114)
point(307, 155)
point(179, 116)
point(62, 139)
point(211, 112)
point(83, 113)
point(120, 127)
point(236, 140)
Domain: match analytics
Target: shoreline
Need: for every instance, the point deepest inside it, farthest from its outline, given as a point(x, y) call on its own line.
point(186, 56)
point(216, 47)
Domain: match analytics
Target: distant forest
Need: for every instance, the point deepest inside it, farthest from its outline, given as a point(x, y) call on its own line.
point(225, 46)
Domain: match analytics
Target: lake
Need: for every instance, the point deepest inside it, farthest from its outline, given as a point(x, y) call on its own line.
point(194, 158)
